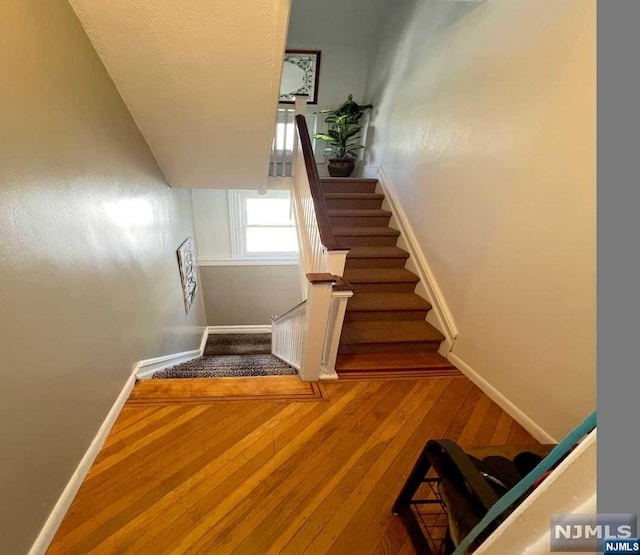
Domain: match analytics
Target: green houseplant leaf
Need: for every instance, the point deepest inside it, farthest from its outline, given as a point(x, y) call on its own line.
point(344, 129)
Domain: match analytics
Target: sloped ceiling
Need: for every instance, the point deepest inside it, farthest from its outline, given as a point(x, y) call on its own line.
point(201, 79)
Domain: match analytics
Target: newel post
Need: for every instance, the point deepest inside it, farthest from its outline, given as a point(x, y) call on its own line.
point(300, 104)
point(342, 292)
point(318, 309)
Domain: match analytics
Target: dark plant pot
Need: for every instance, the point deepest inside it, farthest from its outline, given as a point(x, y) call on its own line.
point(340, 167)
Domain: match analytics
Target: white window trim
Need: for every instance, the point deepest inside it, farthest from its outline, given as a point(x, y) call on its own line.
point(235, 199)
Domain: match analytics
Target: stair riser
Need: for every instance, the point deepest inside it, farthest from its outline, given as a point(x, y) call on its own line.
point(383, 287)
point(353, 187)
point(355, 263)
point(377, 315)
point(418, 347)
point(367, 241)
point(350, 204)
point(358, 221)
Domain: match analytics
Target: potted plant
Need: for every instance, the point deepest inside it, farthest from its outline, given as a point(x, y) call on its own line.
point(343, 136)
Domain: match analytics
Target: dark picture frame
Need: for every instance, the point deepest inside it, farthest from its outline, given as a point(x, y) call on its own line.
point(188, 274)
point(308, 61)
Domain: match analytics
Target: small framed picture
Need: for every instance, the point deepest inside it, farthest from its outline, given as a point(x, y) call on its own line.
point(300, 75)
point(188, 273)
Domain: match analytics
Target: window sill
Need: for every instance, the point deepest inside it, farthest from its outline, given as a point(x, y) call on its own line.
point(248, 262)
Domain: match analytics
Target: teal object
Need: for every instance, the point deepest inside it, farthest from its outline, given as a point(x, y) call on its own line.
point(559, 451)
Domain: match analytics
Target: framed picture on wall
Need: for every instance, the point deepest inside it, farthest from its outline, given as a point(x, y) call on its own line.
point(300, 75)
point(188, 274)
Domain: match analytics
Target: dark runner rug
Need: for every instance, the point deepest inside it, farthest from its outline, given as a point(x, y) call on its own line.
point(228, 366)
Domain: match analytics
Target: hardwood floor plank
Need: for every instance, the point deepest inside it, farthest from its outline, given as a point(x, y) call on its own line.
point(519, 436)
point(407, 547)
point(489, 423)
point(112, 490)
point(464, 412)
point(134, 445)
point(370, 522)
point(130, 416)
point(501, 432)
point(338, 462)
point(227, 472)
point(134, 426)
point(110, 505)
point(308, 526)
point(265, 480)
point(267, 476)
point(475, 421)
point(393, 538)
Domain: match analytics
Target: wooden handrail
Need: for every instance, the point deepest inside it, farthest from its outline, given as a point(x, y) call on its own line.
point(322, 213)
point(342, 285)
point(315, 278)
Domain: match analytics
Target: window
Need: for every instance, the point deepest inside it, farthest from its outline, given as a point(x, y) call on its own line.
point(285, 132)
point(262, 226)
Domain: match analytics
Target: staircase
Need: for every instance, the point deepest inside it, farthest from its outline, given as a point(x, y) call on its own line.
point(384, 331)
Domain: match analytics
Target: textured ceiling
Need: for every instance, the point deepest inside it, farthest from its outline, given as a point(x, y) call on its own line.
point(201, 79)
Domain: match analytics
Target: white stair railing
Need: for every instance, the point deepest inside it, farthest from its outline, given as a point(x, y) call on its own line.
point(307, 336)
point(287, 335)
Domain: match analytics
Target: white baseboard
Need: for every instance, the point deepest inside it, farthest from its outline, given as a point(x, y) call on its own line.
point(61, 507)
point(203, 341)
point(496, 396)
point(240, 329)
point(327, 375)
point(417, 261)
point(146, 368)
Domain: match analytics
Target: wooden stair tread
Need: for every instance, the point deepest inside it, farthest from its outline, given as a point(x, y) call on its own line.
point(354, 196)
point(382, 275)
point(366, 231)
point(410, 331)
point(359, 212)
point(387, 302)
point(348, 180)
point(366, 362)
point(377, 252)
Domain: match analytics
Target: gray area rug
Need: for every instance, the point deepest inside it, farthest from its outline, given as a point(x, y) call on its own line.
point(234, 355)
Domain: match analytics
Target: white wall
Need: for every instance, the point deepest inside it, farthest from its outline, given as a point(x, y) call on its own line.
point(346, 33)
point(211, 218)
point(485, 121)
point(89, 281)
point(248, 295)
point(201, 78)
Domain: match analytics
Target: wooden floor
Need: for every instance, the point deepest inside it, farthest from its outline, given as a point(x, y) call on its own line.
point(257, 477)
